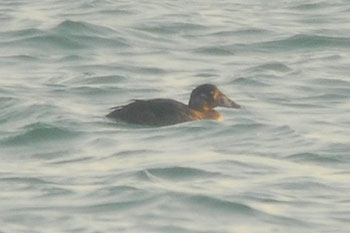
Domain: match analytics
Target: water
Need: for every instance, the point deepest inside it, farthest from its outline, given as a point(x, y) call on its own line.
point(280, 164)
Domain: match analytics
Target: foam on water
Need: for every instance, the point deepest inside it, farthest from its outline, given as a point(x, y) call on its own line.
point(279, 164)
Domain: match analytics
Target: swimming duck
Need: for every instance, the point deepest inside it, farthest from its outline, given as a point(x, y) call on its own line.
point(161, 112)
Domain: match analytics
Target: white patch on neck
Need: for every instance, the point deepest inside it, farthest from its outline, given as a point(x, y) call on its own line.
point(220, 118)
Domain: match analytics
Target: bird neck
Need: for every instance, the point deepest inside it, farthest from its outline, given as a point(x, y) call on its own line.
point(210, 114)
point(199, 105)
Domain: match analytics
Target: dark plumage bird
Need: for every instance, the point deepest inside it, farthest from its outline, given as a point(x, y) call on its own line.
point(161, 112)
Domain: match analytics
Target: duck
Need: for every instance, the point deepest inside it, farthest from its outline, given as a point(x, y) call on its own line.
point(163, 112)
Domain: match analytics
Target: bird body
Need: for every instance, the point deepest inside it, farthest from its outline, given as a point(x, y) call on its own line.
point(161, 112)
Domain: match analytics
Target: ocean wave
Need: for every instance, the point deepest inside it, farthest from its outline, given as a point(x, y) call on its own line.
point(272, 66)
point(311, 6)
point(179, 173)
point(21, 34)
point(204, 203)
point(215, 50)
point(171, 28)
point(39, 133)
point(241, 32)
point(312, 157)
point(81, 28)
point(104, 79)
point(303, 41)
point(250, 82)
point(66, 35)
point(25, 180)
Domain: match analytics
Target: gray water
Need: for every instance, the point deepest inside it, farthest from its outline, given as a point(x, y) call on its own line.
point(279, 164)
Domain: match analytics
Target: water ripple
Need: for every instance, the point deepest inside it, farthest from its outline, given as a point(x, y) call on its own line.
point(39, 133)
point(67, 35)
point(81, 28)
point(303, 41)
point(180, 173)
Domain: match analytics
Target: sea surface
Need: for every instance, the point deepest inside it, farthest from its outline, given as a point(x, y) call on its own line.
point(279, 164)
